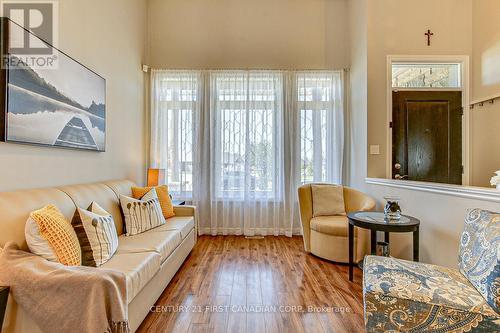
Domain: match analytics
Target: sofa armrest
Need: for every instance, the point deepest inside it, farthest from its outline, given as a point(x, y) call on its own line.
point(185, 210)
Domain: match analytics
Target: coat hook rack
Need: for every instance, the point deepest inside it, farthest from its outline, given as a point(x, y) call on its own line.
point(490, 100)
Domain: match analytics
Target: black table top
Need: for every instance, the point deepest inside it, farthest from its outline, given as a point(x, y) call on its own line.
point(377, 221)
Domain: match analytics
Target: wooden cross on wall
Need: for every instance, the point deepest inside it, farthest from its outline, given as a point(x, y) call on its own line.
point(429, 34)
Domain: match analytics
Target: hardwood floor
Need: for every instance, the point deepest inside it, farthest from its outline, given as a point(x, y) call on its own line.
point(233, 284)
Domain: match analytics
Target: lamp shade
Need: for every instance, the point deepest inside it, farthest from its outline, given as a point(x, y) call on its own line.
point(156, 177)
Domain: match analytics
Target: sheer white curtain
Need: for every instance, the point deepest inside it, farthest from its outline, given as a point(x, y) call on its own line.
point(246, 143)
point(175, 119)
point(238, 143)
point(320, 126)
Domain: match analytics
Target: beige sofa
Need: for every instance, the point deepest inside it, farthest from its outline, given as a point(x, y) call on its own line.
point(149, 260)
point(327, 236)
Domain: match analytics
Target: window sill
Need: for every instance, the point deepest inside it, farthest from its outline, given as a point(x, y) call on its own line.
point(470, 192)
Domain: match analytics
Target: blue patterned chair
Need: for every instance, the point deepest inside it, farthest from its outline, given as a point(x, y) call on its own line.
point(406, 296)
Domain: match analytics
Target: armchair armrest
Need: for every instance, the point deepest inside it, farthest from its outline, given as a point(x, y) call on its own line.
point(358, 201)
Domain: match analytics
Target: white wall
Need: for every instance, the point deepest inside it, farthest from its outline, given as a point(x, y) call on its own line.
point(485, 83)
point(107, 36)
point(358, 93)
point(397, 27)
point(275, 34)
point(442, 220)
point(461, 27)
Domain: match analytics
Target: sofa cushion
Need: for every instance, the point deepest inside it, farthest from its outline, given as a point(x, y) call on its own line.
point(479, 258)
point(15, 207)
point(84, 194)
point(160, 242)
point(138, 267)
point(408, 296)
point(183, 224)
point(331, 225)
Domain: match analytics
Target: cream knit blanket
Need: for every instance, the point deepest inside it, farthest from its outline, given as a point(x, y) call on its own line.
point(62, 298)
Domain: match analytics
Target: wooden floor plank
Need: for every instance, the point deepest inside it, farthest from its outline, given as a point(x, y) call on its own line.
point(234, 284)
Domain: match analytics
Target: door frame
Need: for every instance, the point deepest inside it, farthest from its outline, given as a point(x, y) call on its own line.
point(463, 60)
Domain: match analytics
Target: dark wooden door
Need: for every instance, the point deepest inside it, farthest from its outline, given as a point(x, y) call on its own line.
point(427, 136)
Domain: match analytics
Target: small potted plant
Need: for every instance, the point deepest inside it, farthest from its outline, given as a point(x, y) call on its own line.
point(495, 180)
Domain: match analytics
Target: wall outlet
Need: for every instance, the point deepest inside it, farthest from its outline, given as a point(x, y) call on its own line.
point(374, 150)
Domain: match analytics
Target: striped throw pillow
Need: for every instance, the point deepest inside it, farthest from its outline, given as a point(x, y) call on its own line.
point(141, 215)
point(162, 193)
point(96, 232)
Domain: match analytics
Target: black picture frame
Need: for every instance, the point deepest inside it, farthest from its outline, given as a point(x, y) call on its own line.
point(4, 33)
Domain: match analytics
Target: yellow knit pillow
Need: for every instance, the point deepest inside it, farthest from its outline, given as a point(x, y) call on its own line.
point(60, 234)
point(166, 205)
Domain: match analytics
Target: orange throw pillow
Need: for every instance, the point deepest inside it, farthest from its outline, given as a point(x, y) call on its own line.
point(166, 205)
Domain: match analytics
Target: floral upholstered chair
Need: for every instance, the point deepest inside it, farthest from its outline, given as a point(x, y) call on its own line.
point(405, 296)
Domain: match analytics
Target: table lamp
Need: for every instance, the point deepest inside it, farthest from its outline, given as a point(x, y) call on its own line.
point(156, 177)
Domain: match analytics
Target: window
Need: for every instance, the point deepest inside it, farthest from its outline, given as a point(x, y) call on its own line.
point(321, 127)
point(247, 139)
point(177, 107)
point(238, 143)
point(421, 75)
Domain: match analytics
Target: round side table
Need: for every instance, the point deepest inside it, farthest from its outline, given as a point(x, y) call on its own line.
point(376, 221)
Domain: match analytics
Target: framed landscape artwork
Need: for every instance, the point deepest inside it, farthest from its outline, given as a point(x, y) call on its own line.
point(60, 107)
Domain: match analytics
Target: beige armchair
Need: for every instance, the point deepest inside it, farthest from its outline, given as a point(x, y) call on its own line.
point(327, 236)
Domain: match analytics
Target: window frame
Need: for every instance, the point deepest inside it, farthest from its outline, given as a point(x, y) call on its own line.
point(320, 110)
point(174, 115)
point(228, 105)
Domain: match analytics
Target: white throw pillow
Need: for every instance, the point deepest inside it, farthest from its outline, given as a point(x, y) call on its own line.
point(328, 200)
point(96, 232)
point(141, 215)
point(36, 242)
